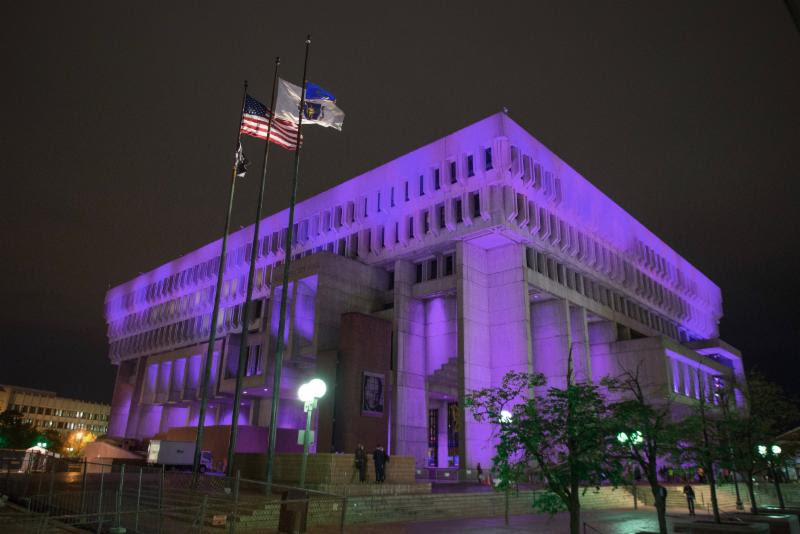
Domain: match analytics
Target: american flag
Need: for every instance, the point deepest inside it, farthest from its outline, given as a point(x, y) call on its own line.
point(255, 122)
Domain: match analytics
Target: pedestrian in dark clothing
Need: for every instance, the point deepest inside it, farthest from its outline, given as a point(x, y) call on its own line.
point(662, 494)
point(689, 492)
point(480, 473)
point(379, 457)
point(361, 463)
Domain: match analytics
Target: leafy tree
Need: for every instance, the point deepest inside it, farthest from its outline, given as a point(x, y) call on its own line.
point(703, 430)
point(14, 432)
point(768, 411)
point(566, 434)
point(647, 429)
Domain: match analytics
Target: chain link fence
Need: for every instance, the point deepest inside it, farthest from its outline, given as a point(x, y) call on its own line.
point(56, 494)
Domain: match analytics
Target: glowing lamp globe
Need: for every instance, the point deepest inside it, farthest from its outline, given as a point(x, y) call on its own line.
point(318, 388)
point(304, 393)
point(776, 450)
point(762, 450)
point(637, 438)
point(505, 416)
point(622, 437)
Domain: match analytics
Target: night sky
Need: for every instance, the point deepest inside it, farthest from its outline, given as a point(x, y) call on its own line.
point(118, 122)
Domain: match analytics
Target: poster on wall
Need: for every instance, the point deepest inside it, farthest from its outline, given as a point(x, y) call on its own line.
point(372, 389)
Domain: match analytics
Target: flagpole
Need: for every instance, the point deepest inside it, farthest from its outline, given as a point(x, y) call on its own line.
point(243, 345)
point(276, 383)
point(215, 312)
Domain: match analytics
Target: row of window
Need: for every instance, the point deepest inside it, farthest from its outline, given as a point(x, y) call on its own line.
point(564, 236)
point(434, 268)
point(188, 330)
point(372, 240)
point(65, 425)
point(600, 293)
point(58, 412)
point(276, 241)
point(691, 381)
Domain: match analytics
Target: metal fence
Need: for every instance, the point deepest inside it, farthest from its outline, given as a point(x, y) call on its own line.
point(137, 498)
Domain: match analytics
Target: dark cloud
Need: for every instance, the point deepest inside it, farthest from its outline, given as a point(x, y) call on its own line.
point(118, 124)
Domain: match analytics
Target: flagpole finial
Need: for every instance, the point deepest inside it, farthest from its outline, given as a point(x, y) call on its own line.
point(308, 39)
point(277, 60)
point(245, 84)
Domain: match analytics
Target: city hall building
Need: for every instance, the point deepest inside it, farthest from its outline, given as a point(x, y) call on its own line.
point(411, 285)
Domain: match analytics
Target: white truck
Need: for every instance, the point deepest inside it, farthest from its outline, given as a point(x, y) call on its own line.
point(177, 455)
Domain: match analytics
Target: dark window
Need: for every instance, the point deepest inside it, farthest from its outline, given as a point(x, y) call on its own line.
point(419, 273)
point(470, 166)
point(426, 222)
point(411, 227)
point(487, 158)
point(378, 202)
point(432, 271)
point(440, 210)
point(365, 206)
point(407, 197)
point(396, 232)
point(448, 265)
point(476, 205)
point(391, 197)
point(453, 172)
point(421, 185)
point(457, 208)
point(437, 184)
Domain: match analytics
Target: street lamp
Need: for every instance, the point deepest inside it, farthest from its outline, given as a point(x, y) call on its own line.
point(309, 393)
point(505, 418)
point(770, 454)
point(632, 439)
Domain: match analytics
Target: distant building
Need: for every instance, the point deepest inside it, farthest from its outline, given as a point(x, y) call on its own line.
point(47, 411)
point(413, 284)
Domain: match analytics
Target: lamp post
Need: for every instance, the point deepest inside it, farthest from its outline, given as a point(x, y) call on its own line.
point(770, 454)
point(505, 418)
point(309, 393)
point(635, 438)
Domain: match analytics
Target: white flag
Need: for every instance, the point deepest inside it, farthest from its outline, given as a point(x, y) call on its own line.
point(320, 105)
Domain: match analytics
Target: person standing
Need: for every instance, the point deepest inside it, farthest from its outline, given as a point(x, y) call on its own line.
point(689, 492)
point(479, 469)
point(379, 457)
point(361, 463)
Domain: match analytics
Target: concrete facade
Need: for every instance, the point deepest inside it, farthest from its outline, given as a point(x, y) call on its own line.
point(412, 285)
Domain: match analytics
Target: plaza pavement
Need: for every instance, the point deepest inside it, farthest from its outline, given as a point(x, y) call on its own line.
point(598, 521)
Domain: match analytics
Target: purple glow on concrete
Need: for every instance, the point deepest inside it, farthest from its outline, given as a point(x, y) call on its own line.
point(149, 421)
point(226, 415)
point(195, 368)
point(178, 374)
point(527, 202)
point(164, 376)
point(173, 416)
point(441, 334)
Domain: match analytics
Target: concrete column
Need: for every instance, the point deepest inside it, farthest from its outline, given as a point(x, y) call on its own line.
point(551, 339)
point(410, 417)
point(509, 311)
point(442, 435)
point(474, 350)
point(581, 352)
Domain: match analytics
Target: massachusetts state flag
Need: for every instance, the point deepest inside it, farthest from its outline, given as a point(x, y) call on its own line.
point(320, 105)
point(255, 123)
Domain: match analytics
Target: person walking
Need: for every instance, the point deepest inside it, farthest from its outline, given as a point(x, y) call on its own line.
point(479, 469)
point(689, 492)
point(361, 463)
point(379, 457)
